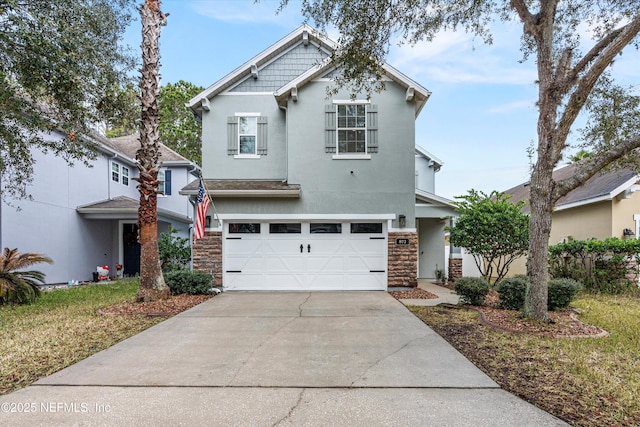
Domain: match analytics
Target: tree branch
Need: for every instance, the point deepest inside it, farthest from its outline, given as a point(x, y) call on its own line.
point(587, 82)
point(591, 55)
point(527, 18)
point(586, 170)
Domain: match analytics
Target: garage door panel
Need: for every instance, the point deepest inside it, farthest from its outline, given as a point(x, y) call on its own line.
point(328, 260)
point(283, 264)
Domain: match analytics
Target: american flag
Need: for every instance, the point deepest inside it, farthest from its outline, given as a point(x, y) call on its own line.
point(203, 202)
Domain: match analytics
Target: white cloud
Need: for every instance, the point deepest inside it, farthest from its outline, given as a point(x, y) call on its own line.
point(247, 11)
point(456, 57)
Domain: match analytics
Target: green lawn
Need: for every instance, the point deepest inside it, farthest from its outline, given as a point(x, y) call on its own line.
point(585, 381)
point(62, 328)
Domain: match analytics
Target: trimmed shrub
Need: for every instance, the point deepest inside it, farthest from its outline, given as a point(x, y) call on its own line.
point(512, 292)
point(472, 290)
point(562, 292)
point(188, 282)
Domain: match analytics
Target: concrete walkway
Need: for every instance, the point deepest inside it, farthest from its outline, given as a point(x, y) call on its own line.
point(276, 359)
point(445, 295)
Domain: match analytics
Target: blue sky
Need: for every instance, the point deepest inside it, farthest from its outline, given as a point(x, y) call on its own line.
point(480, 118)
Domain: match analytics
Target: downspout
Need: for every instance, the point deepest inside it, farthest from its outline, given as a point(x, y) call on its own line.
point(286, 144)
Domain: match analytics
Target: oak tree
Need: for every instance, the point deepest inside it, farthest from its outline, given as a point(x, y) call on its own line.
point(60, 64)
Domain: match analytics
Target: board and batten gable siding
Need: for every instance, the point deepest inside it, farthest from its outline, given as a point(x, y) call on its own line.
point(282, 70)
point(218, 159)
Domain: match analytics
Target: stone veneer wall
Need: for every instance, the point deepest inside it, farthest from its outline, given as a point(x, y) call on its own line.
point(455, 269)
point(207, 255)
point(403, 260)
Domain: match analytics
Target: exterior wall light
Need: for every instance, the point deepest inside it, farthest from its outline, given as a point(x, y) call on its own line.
point(403, 221)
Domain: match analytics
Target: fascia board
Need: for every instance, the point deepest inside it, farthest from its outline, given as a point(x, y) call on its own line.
point(434, 198)
point(428, 155)
point(327, 66)
point(266, 55)
point(111, 212)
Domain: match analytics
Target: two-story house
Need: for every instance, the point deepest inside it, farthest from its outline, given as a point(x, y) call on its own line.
point(83, 217)
point(312, 192)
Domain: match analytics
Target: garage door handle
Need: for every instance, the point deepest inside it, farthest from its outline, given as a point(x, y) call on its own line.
point(301, 248)
point(308, 248)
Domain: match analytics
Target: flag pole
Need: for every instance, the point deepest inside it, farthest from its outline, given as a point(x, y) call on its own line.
point(206, 193)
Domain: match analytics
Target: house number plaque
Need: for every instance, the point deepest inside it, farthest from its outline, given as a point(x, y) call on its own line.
point(402, 241)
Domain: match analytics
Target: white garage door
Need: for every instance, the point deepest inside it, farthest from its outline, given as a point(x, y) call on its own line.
point(305, 256)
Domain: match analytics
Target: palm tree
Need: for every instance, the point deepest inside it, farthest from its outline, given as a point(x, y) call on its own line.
point(152, 284)
point(17, 285)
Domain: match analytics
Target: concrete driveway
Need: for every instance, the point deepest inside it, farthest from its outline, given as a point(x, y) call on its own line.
point(276, 359)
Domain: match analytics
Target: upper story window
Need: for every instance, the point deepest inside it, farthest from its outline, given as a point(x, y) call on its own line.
point(125, 176)
point(164, 182)
point(119, 173)
point(247, 135)
point(351, 129)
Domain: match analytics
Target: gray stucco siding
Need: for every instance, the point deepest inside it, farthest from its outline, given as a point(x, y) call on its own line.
point(217, 163)
point(383, 183)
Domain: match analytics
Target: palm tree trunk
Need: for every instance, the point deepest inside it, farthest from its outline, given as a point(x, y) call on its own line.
point(152, 285)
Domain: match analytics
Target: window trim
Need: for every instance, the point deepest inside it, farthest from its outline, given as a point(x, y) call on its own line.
point(124, 176)
point(120, 175)
point(255, 154)
point(115, 170)
point(352, 155)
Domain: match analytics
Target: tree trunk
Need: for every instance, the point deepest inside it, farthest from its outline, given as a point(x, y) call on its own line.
point(152, 285)
point(539, 230)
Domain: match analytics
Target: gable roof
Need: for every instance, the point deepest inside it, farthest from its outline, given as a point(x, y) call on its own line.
point(123, 207)
point(129, 145)
point(427, 155)
point(303, 34)
point(600, 187)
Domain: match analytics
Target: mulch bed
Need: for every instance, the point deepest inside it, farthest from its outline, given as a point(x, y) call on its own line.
point(415, 293)
point(165, 308)
point(562, 324)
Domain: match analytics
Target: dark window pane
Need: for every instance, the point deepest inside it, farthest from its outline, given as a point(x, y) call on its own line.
point(329, 228)
point(244, 228)
point(285, 228)
point(366, 227)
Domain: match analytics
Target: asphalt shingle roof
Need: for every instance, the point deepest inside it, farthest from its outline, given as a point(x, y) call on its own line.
point(599, 185)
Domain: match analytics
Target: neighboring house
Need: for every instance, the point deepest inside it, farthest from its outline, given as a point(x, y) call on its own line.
point(431, 213)
point(607, 205)
point(83, 217)
point(313, 192)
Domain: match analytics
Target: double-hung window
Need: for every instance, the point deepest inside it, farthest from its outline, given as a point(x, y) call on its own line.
point(247, 135)
point(119, 173)
point(352, 129)
point(164, 182)
point(124, 179)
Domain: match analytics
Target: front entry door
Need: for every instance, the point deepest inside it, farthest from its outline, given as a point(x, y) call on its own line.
point(131, 249)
